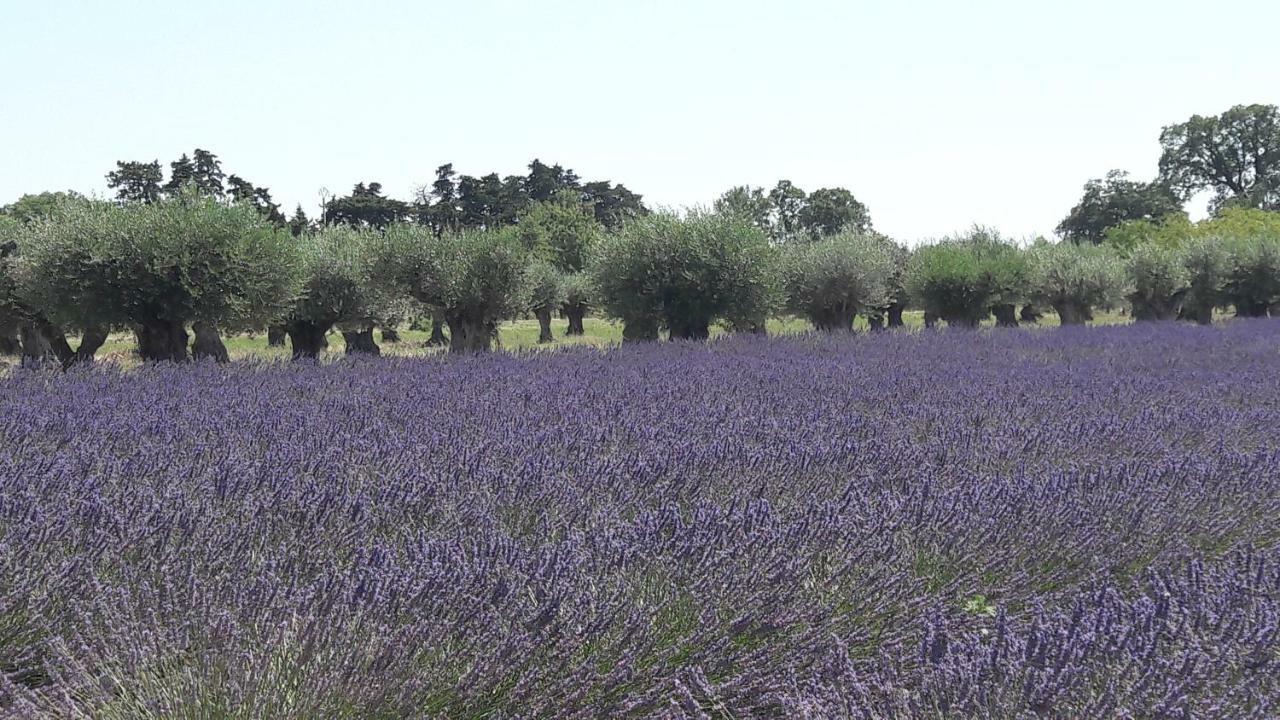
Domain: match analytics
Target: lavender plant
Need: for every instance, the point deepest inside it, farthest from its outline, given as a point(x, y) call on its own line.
point(1080, 523)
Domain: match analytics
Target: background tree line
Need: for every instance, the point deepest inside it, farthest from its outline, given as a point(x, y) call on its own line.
point(183, 260)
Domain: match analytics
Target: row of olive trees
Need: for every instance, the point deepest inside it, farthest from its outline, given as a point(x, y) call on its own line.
point(965, 280)
point(192, 262)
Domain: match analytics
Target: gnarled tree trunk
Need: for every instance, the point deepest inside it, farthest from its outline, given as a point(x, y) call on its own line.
point(162, 341)
point(41, 342)
point(91, 340)
point(574, 314)
point(307, 338)
point(875, 321)
point(1029, 314)
point(1070, 313)
point(470, 334)
point(437, 338)
point(930, 320)
point(36, 350)
point(962, 321)
point(895, 315)
point(831, 319)
point(1006, 315)
point(360, 342)
point(640, 329)
point(390, 335)
point(276, 335)
point(9, 343)
point(1157, 310)
point(1201, 314)
point(1251, 309)
point(692, 329)
point(544, 325)
point(208, 344)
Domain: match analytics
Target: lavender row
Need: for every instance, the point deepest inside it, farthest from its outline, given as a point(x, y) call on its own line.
point(1010, 524)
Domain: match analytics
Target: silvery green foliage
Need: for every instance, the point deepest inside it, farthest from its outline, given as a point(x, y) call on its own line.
point(961, 278)
point(478, 272)
point(9, 230)
point(748, 528)
point(338, 286)
point(1253, 284)
point(191, 258)
point(830, 280)
point(1076, 279)
point(577, 289)
point(1208, 263)
point(1158, 281)
point(684, 273)
point(545, 285)
point(562, 231)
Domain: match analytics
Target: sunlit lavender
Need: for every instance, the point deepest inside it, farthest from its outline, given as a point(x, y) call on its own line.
point(1080, 523)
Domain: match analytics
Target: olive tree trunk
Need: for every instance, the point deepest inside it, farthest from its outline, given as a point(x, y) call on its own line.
point(36, 349)
point(930, 320)
point(41, 342)
point(307, 338)
point(1251, 309)
point(1029, 314)
point(544, 325)
point(437, 338)
point(9, 343)
point(691, 329)
point(390, 335)
point(895, 315)
point(91, 340)
point(831, 319)
point(640, 329)
point(469, 333)
point(1071, 313)
point(276, 335)
point(360, 342)
point(162, 341)
point(574, 314)
point(1157, 310)
point(1201, 314)
point(967, 322)
point(1006, 315)
point(208, 343)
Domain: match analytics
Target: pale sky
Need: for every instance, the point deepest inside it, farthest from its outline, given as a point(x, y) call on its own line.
point(936, 115)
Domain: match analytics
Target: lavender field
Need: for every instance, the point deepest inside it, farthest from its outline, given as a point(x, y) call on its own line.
point(1080, 523)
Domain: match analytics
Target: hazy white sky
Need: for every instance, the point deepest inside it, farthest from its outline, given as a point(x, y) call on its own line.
point(935, 114)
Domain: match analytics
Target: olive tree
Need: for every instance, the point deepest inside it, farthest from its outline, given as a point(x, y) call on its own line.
point(23, 326)
point(1253, 282)
point(337, 290)
point(546, 287)
point(1208, 264)
point(474, 278)
point(962, 280)
point(1075, 279)
point(577, 301)
point(1005, 269)
point(829, 281)
point(564, 233)
point(1159, 281)
point(9, 309)
point(896, 297)
point(159, 268)
point(682, 274)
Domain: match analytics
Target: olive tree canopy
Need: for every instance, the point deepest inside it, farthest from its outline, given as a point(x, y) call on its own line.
point(158, 267)
point(682, 274)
